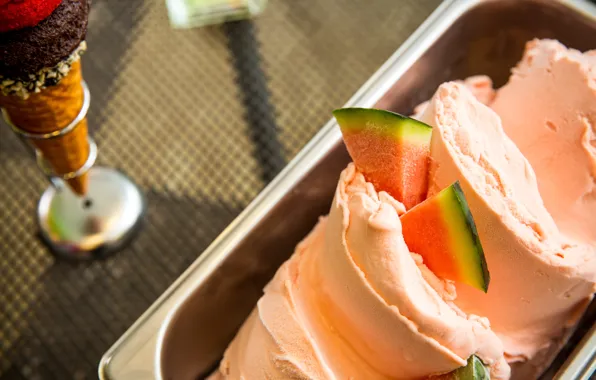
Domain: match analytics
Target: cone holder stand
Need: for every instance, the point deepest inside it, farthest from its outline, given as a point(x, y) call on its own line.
point(93, 226)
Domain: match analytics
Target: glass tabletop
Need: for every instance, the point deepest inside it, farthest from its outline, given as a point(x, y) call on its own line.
point(202, 119)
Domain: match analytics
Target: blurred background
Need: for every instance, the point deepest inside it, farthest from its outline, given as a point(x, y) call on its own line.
point(202, 119)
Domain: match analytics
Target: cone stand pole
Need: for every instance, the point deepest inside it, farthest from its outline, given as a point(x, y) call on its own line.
point(88, 227)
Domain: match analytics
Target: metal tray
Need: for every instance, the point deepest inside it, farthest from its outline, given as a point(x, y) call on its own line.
point(183, 335)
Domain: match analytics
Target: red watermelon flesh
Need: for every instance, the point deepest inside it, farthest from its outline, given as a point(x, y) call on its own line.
point(391, 150)
point(442, 230)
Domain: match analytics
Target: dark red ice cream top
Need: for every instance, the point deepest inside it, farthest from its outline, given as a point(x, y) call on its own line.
point(19, 14)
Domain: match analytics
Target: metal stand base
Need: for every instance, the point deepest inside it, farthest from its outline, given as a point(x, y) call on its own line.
point(93, 226)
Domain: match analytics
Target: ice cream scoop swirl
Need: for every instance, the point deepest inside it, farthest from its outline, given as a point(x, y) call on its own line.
point(353, 302)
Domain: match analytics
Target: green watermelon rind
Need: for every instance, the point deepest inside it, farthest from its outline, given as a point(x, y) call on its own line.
point(480, 370)
point(463, 204)
point(473, 370)
point(394, 124)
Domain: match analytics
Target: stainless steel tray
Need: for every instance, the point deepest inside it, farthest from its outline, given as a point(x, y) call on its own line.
point(183, 335)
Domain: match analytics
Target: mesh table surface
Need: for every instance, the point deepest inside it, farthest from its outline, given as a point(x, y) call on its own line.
point(202, 120)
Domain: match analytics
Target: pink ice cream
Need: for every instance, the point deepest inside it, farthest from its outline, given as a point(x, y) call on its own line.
point(353, 302)
point(554, 90)
point(480, 86)
point(543, 270)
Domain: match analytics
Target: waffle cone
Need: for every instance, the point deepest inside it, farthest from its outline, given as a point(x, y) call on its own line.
point(51, 110)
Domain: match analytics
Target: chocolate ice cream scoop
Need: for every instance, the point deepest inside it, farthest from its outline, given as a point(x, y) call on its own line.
point(27, 51)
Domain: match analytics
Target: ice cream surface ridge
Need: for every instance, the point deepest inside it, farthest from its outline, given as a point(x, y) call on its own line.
point(557, 133)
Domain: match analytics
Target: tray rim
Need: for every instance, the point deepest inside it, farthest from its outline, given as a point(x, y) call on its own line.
point(308, 157)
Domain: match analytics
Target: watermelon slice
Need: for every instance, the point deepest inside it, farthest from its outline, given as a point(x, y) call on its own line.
point(441, 229)
point(391, 150)
point(473, 370)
